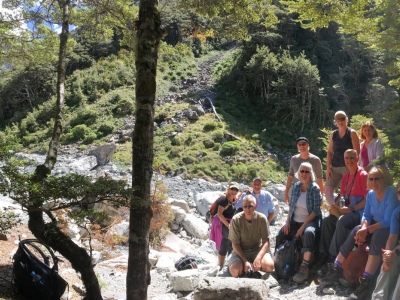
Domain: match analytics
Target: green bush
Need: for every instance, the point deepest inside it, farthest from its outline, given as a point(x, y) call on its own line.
point(84, 116)
point(123, 108)
point(217, 146)
point(217, 135)
point(176, 141)
point(83, 133)
point(210, 126)
point(230, 148)
point(105, 128)
point(208, 144)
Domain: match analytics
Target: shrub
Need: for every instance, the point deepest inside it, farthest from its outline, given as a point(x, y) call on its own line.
point(84, 116)
point(210, 126)
point(105, 128)
point(229, 148)
point(123, 108)
point(162, 214)
point(255, 136)
point(83, 133)
point(208, 144)
point(217, 146)
point(176, 141)
point(217, 135)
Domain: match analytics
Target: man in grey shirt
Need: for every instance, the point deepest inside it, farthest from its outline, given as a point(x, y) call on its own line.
point(303, 146)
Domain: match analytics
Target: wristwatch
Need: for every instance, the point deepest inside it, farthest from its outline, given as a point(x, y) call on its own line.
point(353, 209)
point(397, 250)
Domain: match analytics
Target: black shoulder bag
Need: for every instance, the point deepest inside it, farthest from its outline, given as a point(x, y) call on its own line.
point(33, 274)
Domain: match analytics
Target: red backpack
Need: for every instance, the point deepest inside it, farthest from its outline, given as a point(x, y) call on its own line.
point(213, 207)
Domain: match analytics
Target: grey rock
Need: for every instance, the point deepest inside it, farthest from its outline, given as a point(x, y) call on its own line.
point(103, 153)
point(219, 288)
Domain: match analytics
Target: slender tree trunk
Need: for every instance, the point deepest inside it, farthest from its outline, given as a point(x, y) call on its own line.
point(149, 34)
point(49, 233)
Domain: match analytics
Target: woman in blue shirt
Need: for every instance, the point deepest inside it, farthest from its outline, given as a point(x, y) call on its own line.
point(303, 217)
point(381, 202)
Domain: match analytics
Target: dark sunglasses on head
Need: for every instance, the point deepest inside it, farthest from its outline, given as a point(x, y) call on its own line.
point(247, 206)
point(374, 178)
point(305, 171)
point(340, 119)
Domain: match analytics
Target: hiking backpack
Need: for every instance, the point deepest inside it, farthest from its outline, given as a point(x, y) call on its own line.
point(286, 259)
point(33, 274)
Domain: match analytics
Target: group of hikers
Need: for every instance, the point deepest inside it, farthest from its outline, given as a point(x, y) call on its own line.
point(366, 211)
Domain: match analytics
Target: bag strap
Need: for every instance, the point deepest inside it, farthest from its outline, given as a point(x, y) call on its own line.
point(31, 242)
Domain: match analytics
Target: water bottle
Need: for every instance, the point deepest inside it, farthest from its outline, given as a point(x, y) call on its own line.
point(35, 277)
point(342, 202)
point(286, 270)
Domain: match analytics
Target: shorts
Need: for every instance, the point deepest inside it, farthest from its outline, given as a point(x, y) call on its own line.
point(336, 177)
point(250, 255)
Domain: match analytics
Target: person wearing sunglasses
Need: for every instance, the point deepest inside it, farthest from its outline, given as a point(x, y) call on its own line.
point(381, 202)
point(249, 233)
point(371, 146)
point(303, 146)
point(335, 230)
point(303, 217)
point(265, 203)
point(340, 140)
point(220, 223)
point(388, 282)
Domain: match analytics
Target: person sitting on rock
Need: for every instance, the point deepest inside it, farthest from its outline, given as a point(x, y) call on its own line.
point(303, 146)
point(265, 204)
point(388, 282)
point(381, 202)
point(335, 230)
point(303, 217)
point(249, 233)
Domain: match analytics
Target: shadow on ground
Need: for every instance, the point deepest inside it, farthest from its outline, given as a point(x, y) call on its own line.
point(7, 289)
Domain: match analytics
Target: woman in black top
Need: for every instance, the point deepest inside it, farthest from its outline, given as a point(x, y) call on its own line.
point(221, 222)
point(340, 140)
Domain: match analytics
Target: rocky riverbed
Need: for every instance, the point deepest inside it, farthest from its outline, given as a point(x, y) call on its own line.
point(189, 200)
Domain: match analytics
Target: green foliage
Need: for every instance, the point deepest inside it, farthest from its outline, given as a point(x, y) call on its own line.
point(217, 135)
point(210, 126)
point(208, 143)
point(230, 148)
point(7, 221)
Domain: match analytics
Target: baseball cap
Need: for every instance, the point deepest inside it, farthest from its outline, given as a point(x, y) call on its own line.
point(302, 138)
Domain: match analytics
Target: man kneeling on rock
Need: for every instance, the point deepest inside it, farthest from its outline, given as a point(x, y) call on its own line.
point(249, 233)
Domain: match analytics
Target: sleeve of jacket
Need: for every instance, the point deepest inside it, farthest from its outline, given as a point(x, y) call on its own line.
point(316, 199)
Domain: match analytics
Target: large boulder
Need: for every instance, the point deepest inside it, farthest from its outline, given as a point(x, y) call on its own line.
point(179, 214)
point(181, 203)
point(195, 227)
point(204, 200)
point(103, 153)
point(220, 288)
point(185, 281)
point(173, 243)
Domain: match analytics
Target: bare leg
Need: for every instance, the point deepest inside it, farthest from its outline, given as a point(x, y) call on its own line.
point(267, 263)
point(329, 194)
point(221, 261)
point(236, 268)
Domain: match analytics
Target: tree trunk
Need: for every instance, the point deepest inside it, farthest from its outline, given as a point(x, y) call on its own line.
point(49, 233)
point(148, 35)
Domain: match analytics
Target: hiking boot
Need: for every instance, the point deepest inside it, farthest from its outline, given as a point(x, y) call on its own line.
point(302, 274)
point(332, 276)
point(325, 269)
point(363, 291)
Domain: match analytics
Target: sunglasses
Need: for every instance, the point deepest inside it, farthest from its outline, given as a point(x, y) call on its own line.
point(248, 206)
point(374, 178)
point(340, 119)
point(305, 171)
point(302, 144)
point(234, 189)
